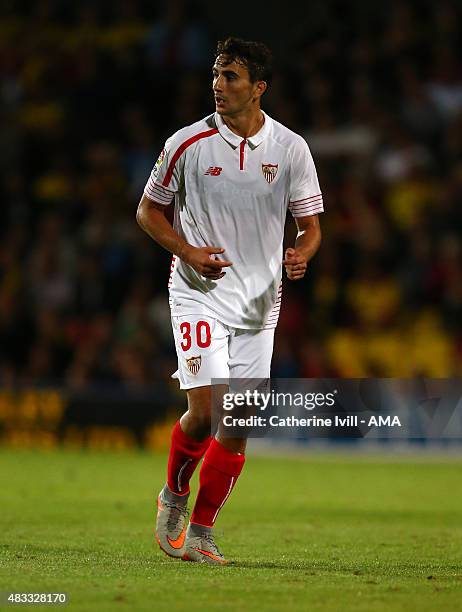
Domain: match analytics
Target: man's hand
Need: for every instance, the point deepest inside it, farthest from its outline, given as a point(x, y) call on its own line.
point(295, 264)
point(204, 262)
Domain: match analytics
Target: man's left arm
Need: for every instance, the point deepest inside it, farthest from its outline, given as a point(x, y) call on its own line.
point(307, 243)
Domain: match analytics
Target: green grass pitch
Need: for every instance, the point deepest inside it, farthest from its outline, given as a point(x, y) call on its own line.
point(316, 533)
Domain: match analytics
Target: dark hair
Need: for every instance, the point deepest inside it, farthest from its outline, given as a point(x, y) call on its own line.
point(255, 56)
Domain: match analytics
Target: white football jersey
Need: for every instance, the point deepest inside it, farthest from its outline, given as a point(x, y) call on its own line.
point(234, 193)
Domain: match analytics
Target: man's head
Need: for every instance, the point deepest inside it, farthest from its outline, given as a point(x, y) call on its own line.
point(241, 74)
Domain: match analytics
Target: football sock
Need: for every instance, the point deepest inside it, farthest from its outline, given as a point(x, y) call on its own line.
point(219, 472)
point(185, 454)
point(198, 530)
point(174, 498)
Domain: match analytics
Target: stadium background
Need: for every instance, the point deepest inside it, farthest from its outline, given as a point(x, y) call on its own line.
point(89, 93)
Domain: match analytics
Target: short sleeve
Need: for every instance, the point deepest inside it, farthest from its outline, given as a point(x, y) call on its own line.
point(305, 197)
point(165, 178)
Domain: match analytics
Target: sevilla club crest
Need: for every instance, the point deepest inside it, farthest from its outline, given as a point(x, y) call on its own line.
point(269, 171)
point(194, 364)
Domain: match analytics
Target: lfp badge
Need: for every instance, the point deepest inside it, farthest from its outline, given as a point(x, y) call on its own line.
point(158, 163)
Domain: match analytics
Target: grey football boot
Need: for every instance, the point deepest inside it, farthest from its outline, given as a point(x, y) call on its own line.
point(171, 522)
point(200, 546)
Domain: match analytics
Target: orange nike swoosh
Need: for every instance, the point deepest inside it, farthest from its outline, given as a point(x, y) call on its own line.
point(209, 554)
point(178, 543)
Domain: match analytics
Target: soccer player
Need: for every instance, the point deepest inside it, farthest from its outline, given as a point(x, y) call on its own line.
point(232, 176)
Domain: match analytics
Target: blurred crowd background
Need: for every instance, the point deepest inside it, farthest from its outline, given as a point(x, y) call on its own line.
point(89, 92)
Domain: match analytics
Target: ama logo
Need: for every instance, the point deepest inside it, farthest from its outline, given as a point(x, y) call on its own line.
point(388, 421)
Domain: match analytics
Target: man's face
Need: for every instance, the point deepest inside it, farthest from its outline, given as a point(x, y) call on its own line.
point(232, 88)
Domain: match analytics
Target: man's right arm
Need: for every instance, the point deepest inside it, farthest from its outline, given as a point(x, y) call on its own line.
point(151, 218)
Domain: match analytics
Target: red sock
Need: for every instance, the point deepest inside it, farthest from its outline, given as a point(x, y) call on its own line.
point(219, 472)
point(185, 454)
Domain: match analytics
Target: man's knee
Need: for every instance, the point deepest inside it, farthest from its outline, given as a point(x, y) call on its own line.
point(198, 420)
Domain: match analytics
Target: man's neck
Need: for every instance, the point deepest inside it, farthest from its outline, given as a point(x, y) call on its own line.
point(245, 124)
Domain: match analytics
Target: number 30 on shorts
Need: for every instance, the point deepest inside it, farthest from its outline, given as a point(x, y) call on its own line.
point(202, 332)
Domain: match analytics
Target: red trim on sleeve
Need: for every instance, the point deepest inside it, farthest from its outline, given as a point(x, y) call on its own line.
point(306, 199)
point(180, 151)
point(306, 206)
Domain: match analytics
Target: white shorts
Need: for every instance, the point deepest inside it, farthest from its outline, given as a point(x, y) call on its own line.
point(209, 349)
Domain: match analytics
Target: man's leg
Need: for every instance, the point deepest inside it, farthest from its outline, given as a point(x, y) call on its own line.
point(223, 462)
point(190, 439)
point(191, 434)
point(250, 357)
point(222, 465)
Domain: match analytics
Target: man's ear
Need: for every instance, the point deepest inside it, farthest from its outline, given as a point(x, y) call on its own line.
point(260, 88)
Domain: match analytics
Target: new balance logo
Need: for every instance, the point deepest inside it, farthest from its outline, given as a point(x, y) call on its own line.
point(214, 170)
